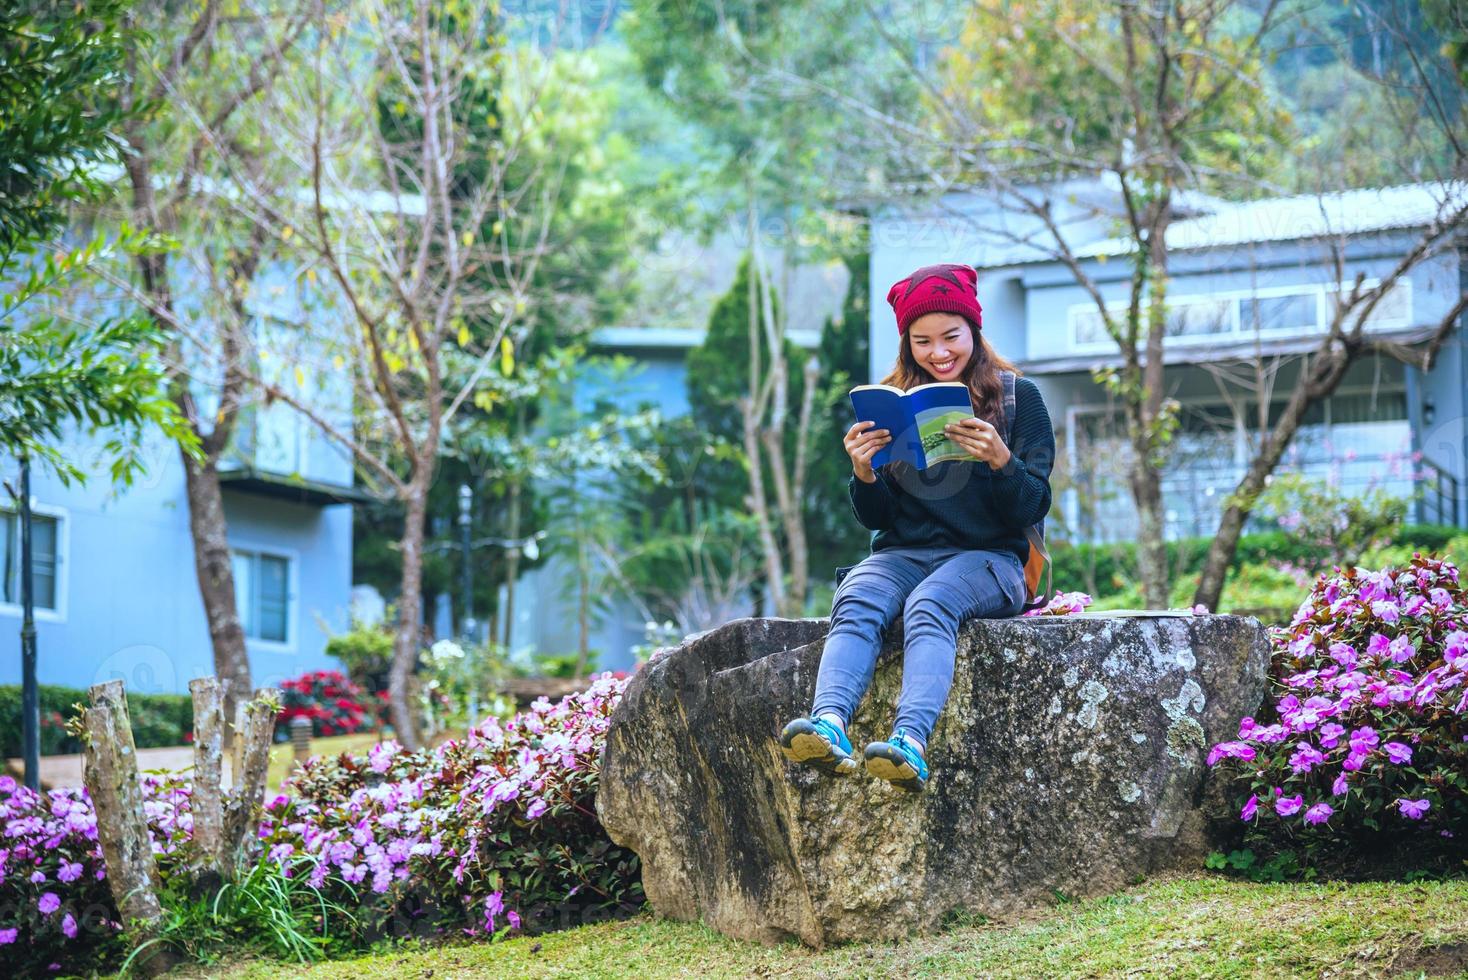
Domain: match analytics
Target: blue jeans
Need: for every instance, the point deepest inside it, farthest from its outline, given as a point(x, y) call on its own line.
point(935, 589)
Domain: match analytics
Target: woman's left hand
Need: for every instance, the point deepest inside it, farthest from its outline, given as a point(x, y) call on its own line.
point(980, 439)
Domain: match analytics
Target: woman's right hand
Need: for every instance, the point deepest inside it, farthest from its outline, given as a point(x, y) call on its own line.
point(862, 445)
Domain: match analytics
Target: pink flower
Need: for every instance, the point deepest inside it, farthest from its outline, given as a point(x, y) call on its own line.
point(68, 926)
point(1413, 809)
point(1339, 787)
point(1319, 813)
point(48, 903)
point(1288, 805)
point(1250, 808)
point(1234, 750)
point(1330, 734)
point(1398, 752)
point(8, 936)
point(1305, 757)
point(535, 809)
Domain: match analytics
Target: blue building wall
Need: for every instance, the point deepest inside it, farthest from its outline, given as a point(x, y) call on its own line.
point(128, 595)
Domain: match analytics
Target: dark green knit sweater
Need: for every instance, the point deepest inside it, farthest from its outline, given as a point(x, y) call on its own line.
point(962, 503)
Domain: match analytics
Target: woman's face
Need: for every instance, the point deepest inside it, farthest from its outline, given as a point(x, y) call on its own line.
point(942, 344)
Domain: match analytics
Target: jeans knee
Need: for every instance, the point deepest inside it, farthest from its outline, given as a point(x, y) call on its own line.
point(927, 614)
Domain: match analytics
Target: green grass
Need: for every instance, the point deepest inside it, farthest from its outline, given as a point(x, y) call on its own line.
point(1197, 925)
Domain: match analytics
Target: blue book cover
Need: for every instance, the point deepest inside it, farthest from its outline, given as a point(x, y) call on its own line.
point(915, 418)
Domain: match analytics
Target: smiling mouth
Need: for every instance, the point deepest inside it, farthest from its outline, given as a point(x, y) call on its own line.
point(945, 366)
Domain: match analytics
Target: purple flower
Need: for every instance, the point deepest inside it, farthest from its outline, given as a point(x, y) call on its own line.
point(1400, 650)
point(8, 936)
point(1330, 734)
point(1250, 808)
point(1339, 787)
point(513, 918)
point(535, 809)
point(1398, 752)
point(49, 903)
point(1343, 654)
point(1319, 813)
point(1378, 645)
point(70, 871)
point(68, 926)
point(1364, 739)
point(1235, 750)
point(1305, 757)
point(1386, 610)
point(1413, 809)
point(1288, 805)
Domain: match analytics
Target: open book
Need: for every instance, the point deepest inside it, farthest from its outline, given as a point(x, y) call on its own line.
point(915, 418)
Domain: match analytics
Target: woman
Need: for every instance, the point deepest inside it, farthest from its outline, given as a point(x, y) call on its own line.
point(950, 540)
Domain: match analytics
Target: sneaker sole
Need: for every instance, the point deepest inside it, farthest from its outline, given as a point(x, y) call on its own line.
point(809, 749)
point(889, 764)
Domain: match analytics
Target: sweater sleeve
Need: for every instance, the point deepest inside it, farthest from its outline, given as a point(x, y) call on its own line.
point(874, 504)
point(1021, 489)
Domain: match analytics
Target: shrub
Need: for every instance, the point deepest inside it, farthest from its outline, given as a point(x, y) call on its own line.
point(1336, 527)
point(366, 652)
point(493, 832)
point(481, 836)
point(56, 909)
point(159, 720)
point(334, 704)
point(1367, 728)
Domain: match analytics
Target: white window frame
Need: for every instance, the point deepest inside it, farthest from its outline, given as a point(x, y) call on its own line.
point(63, 554)
point(292, 559)
point(1237, 329)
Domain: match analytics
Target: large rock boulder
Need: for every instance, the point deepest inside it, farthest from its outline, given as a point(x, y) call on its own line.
point(1069, 759)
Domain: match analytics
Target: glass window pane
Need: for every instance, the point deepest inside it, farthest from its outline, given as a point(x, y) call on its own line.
point(274, 598)
point(43, 561)
point(241, 565)
point(1278, 313)
point(1089, 328)
point(1198, 319)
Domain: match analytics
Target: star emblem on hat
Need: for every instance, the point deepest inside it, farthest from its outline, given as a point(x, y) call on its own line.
point(944, 271)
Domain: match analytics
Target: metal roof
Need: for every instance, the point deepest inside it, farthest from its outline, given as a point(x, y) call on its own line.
point(1196, 353)
point(1305, 216)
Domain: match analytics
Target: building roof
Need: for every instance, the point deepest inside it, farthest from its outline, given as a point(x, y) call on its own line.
point(678, 338)
point(1196, 353)
point(1305, 216)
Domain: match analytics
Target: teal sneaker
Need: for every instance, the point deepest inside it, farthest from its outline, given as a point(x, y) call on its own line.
point(898, 761)
point(817, 743)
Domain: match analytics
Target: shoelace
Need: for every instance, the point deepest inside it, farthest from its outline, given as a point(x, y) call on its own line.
point(914, 757)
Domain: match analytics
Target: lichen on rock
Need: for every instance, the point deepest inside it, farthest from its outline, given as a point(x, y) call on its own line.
point(1068, 758)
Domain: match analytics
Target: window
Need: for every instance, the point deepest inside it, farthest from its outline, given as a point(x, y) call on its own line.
point(1199, 318)
point(43, 558)
point(262, 595)
point(1263, 313)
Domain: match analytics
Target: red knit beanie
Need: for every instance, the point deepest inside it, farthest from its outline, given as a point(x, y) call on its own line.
point(946, 288)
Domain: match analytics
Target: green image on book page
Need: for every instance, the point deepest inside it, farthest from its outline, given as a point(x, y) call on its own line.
point(937, 447)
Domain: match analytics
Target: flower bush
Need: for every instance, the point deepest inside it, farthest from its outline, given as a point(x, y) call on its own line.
point(56, 909)
point(1369, 715)
point(481, 836)
point(335, 705)
point(494, 832)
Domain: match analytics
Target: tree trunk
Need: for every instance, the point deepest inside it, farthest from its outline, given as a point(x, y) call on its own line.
point(410, 604)
point(215, 572)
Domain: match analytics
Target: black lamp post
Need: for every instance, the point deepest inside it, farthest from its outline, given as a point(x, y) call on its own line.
point(30, 702)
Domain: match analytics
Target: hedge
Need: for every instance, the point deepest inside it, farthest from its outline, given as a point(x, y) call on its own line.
point(1113, 565)
point(157, 719)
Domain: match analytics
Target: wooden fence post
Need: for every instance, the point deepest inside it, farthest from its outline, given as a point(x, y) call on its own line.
point(111, 776)
point(253, 732)
point(207, 801)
